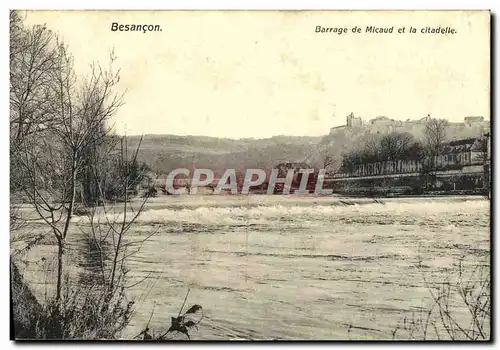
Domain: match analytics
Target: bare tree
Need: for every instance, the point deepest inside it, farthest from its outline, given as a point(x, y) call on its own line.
point(435, 135)
point(61, 143)
point(16, 35)
point(377, 153)
point(483, 148)
point(330, 163)
point(33, 59)
point(460, 306)
point(394, 147)
point(53, 159)
point(106, 226)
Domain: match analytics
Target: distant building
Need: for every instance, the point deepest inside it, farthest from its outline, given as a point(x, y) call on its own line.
point(455, 155)
point(284, 167)
point(487, 163)
point(471, 121)
point(354, 122)
point(383, 124)
point(470, 151)
point(337, 128)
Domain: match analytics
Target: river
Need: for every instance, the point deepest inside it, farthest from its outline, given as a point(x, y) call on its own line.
point(286, 267)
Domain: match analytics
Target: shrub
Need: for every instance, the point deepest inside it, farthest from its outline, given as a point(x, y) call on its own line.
point(460, 310)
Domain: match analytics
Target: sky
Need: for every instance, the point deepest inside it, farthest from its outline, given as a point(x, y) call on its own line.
point(259, 74)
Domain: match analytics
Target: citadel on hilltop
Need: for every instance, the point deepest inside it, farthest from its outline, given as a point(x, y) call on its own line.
point(462, 164)
point(381, 125)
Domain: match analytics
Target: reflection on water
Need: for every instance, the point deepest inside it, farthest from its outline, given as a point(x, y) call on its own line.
point(92, 255)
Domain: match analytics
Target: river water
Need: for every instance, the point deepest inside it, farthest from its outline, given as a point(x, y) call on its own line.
point(286, 267)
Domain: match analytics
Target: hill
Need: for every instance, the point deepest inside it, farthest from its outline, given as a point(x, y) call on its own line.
point(166, 152)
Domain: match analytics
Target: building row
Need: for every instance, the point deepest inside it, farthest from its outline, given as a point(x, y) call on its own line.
point(454, 155)
point(384, 124)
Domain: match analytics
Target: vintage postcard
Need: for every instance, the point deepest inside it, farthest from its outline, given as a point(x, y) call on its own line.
point(250, 175)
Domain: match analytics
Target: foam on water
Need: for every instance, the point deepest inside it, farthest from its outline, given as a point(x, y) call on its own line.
point(314, 211)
